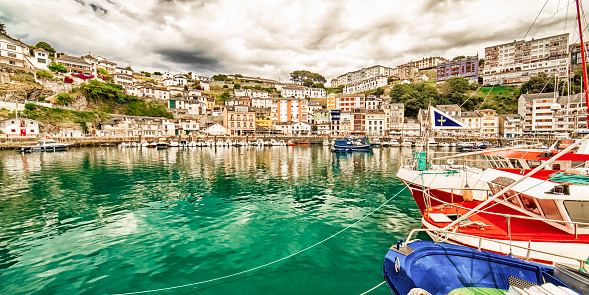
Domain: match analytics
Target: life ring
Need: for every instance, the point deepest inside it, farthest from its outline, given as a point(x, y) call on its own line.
point(450, 161)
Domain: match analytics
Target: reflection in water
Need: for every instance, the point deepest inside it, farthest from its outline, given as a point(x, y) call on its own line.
point(108, 220)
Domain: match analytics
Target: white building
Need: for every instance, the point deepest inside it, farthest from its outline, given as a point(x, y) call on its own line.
point(363, 74)
point(293, 91)
point(192, 106)
point(137, 126)
point(365, 85)
point(489, 123)
point(242, 92)
point(215, 129)
point(262, 103)
point(516, 62)
point(315, 92)
point(41, 58)
point(14, 52)
point(375, 122)
point(153, 91)
point(394, 116)
point(293, 128)
point(259, 93)
point(20, 127)
point(373, 102)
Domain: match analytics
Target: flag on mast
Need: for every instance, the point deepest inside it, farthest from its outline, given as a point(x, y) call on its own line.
point(439, 120)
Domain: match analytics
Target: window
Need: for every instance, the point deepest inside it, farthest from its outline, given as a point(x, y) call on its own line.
point(11, 47)
point(41, 60)
point(578, 210)
point(530, 204)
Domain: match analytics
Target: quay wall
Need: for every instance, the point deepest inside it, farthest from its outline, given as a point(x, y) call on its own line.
point(9, 142)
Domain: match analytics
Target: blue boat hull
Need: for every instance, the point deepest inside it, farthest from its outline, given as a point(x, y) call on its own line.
point(442, 268)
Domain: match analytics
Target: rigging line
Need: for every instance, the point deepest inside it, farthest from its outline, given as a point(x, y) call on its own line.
point(546, 22)
point(471, 96)
point(275, 261)
point(535, 19)
point(486, 98)
point(373, 288)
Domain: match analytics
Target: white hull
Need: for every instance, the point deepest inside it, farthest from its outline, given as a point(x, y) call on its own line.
point(574, 250)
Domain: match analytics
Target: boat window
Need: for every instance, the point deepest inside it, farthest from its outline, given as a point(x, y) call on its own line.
point(511, 197)
point(494, 188)
point(550, 209)
point(529, 204)
point(578, 211)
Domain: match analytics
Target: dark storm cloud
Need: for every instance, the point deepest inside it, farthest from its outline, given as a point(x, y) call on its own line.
point(97, 8)
point(193, 58)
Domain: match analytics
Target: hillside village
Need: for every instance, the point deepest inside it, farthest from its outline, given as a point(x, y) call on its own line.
point(44, 91)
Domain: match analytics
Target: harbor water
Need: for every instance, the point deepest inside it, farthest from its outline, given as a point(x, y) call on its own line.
point(120, 220)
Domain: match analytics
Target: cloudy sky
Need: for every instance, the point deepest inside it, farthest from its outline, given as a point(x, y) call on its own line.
point(271, 38)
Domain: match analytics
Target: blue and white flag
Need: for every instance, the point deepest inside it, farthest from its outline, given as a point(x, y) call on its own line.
point(440, 120)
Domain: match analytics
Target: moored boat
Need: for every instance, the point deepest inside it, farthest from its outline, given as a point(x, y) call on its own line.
point(162, 144)
point(44, 144)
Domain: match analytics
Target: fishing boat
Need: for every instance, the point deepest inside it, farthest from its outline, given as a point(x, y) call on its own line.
point(290, 143)
point(44, 144)
point(326, 142)
point(302, 142)
point(350, 145)
point(162, 144)
point(395, 143)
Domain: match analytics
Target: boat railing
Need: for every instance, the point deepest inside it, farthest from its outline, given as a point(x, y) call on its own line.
point(441, 236)
point(574, 225)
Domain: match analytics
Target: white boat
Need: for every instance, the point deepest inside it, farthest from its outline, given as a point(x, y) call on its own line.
point(281, 143)
point(174, 144)
point(432, 142)
point(443, 144)
point(220, 143)
point(407, 143)
point(326, 142)
point(260, 142)
point(228, 142)
point(395, 143)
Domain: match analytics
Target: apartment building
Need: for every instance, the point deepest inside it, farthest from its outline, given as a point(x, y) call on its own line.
point(348, 102)
point(375, 122)
point(289, 110)
point(239, 120)
point(321, 116)
point(363, 74)
point(535, 109)
point(293, 91)
point(263, 117)
point(510, 125)
point(365, 85)
point(331, 101)
point(345, 123)
point(261, 102)
point(191, 106)
point(394, 116)
point(489, 123)
point(427, 63)
point(516, 62)
point(467, 67)
point(471, 122)
point(358, 122)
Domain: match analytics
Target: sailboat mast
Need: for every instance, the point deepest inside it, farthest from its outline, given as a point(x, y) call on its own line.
point(583, 58)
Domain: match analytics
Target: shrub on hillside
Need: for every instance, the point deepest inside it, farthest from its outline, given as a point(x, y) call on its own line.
point(63, 99)
point(44, 74)
point(55, 67)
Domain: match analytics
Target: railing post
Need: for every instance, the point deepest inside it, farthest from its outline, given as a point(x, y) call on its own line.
point(480, 244)
point(508, 225)
point(576, 230)
point(529, 250)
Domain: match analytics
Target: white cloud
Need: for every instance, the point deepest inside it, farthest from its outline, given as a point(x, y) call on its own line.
point(271, 38)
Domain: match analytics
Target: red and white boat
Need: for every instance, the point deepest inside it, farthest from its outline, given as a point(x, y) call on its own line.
point(537, 214)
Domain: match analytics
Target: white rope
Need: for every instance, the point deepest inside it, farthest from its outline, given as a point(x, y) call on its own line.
point(373, 288)
point(273, 262)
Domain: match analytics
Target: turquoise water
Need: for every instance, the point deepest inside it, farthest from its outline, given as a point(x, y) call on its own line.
point(111, 220)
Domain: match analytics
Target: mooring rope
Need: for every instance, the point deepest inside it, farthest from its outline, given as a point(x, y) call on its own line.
point(372, 289)
point(275, 261)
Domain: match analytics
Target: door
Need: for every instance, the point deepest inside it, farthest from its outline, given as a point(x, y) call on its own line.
point(23, 132)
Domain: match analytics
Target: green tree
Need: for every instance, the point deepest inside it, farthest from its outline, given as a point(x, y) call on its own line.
point(129, 68)
point(481, 62)
point(459, 57)
point(238, 76)
point(225, 96)
point(303, 75)
point(157, 73)
point(185, 87)
point(319, 85)
point(2, 29)
point(414, 97)
point(379, 91)
point(308, 82)
point(55, 67)
point(236, 86)
point(103, 71)
point(46, 46)
point(221, 77)
point(44, 74)
point(63, 99)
